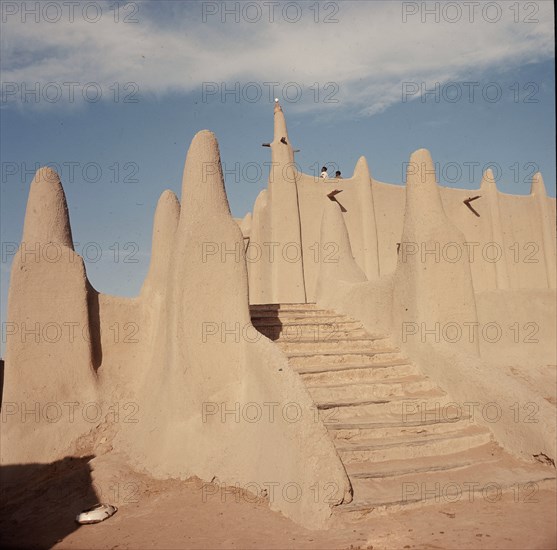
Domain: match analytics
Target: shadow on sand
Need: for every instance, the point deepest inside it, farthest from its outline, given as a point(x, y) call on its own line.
point(39, 502)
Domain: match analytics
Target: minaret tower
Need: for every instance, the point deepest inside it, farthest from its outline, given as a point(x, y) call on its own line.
point(287, 268)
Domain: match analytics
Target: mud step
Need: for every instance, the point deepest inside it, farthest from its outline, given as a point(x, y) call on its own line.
point(326, 344)
point(315, 333)
point(380, 389)
point(433, 404)
point(283, 306)
point(358, 429)
point(339, 357)
point(292, 314)
point(303, 323)
point(489, 452)
point(486, 481)
point(312, 327)
point(409, 398)
point(354, 374)
point(413, 447)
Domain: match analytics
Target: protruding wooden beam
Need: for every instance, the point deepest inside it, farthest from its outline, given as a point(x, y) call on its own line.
point(469, 200)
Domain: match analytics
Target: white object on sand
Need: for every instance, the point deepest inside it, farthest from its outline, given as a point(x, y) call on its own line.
point(96, 514)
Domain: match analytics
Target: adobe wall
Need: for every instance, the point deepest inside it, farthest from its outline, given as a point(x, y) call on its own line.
point(426, 292)
point(511, 244)
point(178, 372)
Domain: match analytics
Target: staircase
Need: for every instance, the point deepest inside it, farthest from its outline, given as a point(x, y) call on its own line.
point(399, 437)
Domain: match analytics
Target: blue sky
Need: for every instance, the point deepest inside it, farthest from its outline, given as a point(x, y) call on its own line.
point(340, 74)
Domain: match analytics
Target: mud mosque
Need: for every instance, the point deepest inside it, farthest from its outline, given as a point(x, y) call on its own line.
point(393, 339)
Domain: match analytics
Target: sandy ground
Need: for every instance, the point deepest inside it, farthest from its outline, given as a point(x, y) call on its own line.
point(39, 510)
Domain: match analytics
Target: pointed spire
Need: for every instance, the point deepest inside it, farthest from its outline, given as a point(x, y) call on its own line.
point(203, 183)
point(261, 201)
point(341, 265)
point(166, 220)
point(538, 185)
point(367, 252)
point(419, 277)
point(245, 224)
point(46, 217)
point(547, 227)
point(361, 170)
point(488, 188)
point(488, 181)
point(282, 153)
point(421, 170)
point(280, 124)
point(423, 197)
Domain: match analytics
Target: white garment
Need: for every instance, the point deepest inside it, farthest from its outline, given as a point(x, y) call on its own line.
point(324, 174)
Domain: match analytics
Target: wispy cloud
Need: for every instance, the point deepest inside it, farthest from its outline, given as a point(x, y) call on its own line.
point(368, 53)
